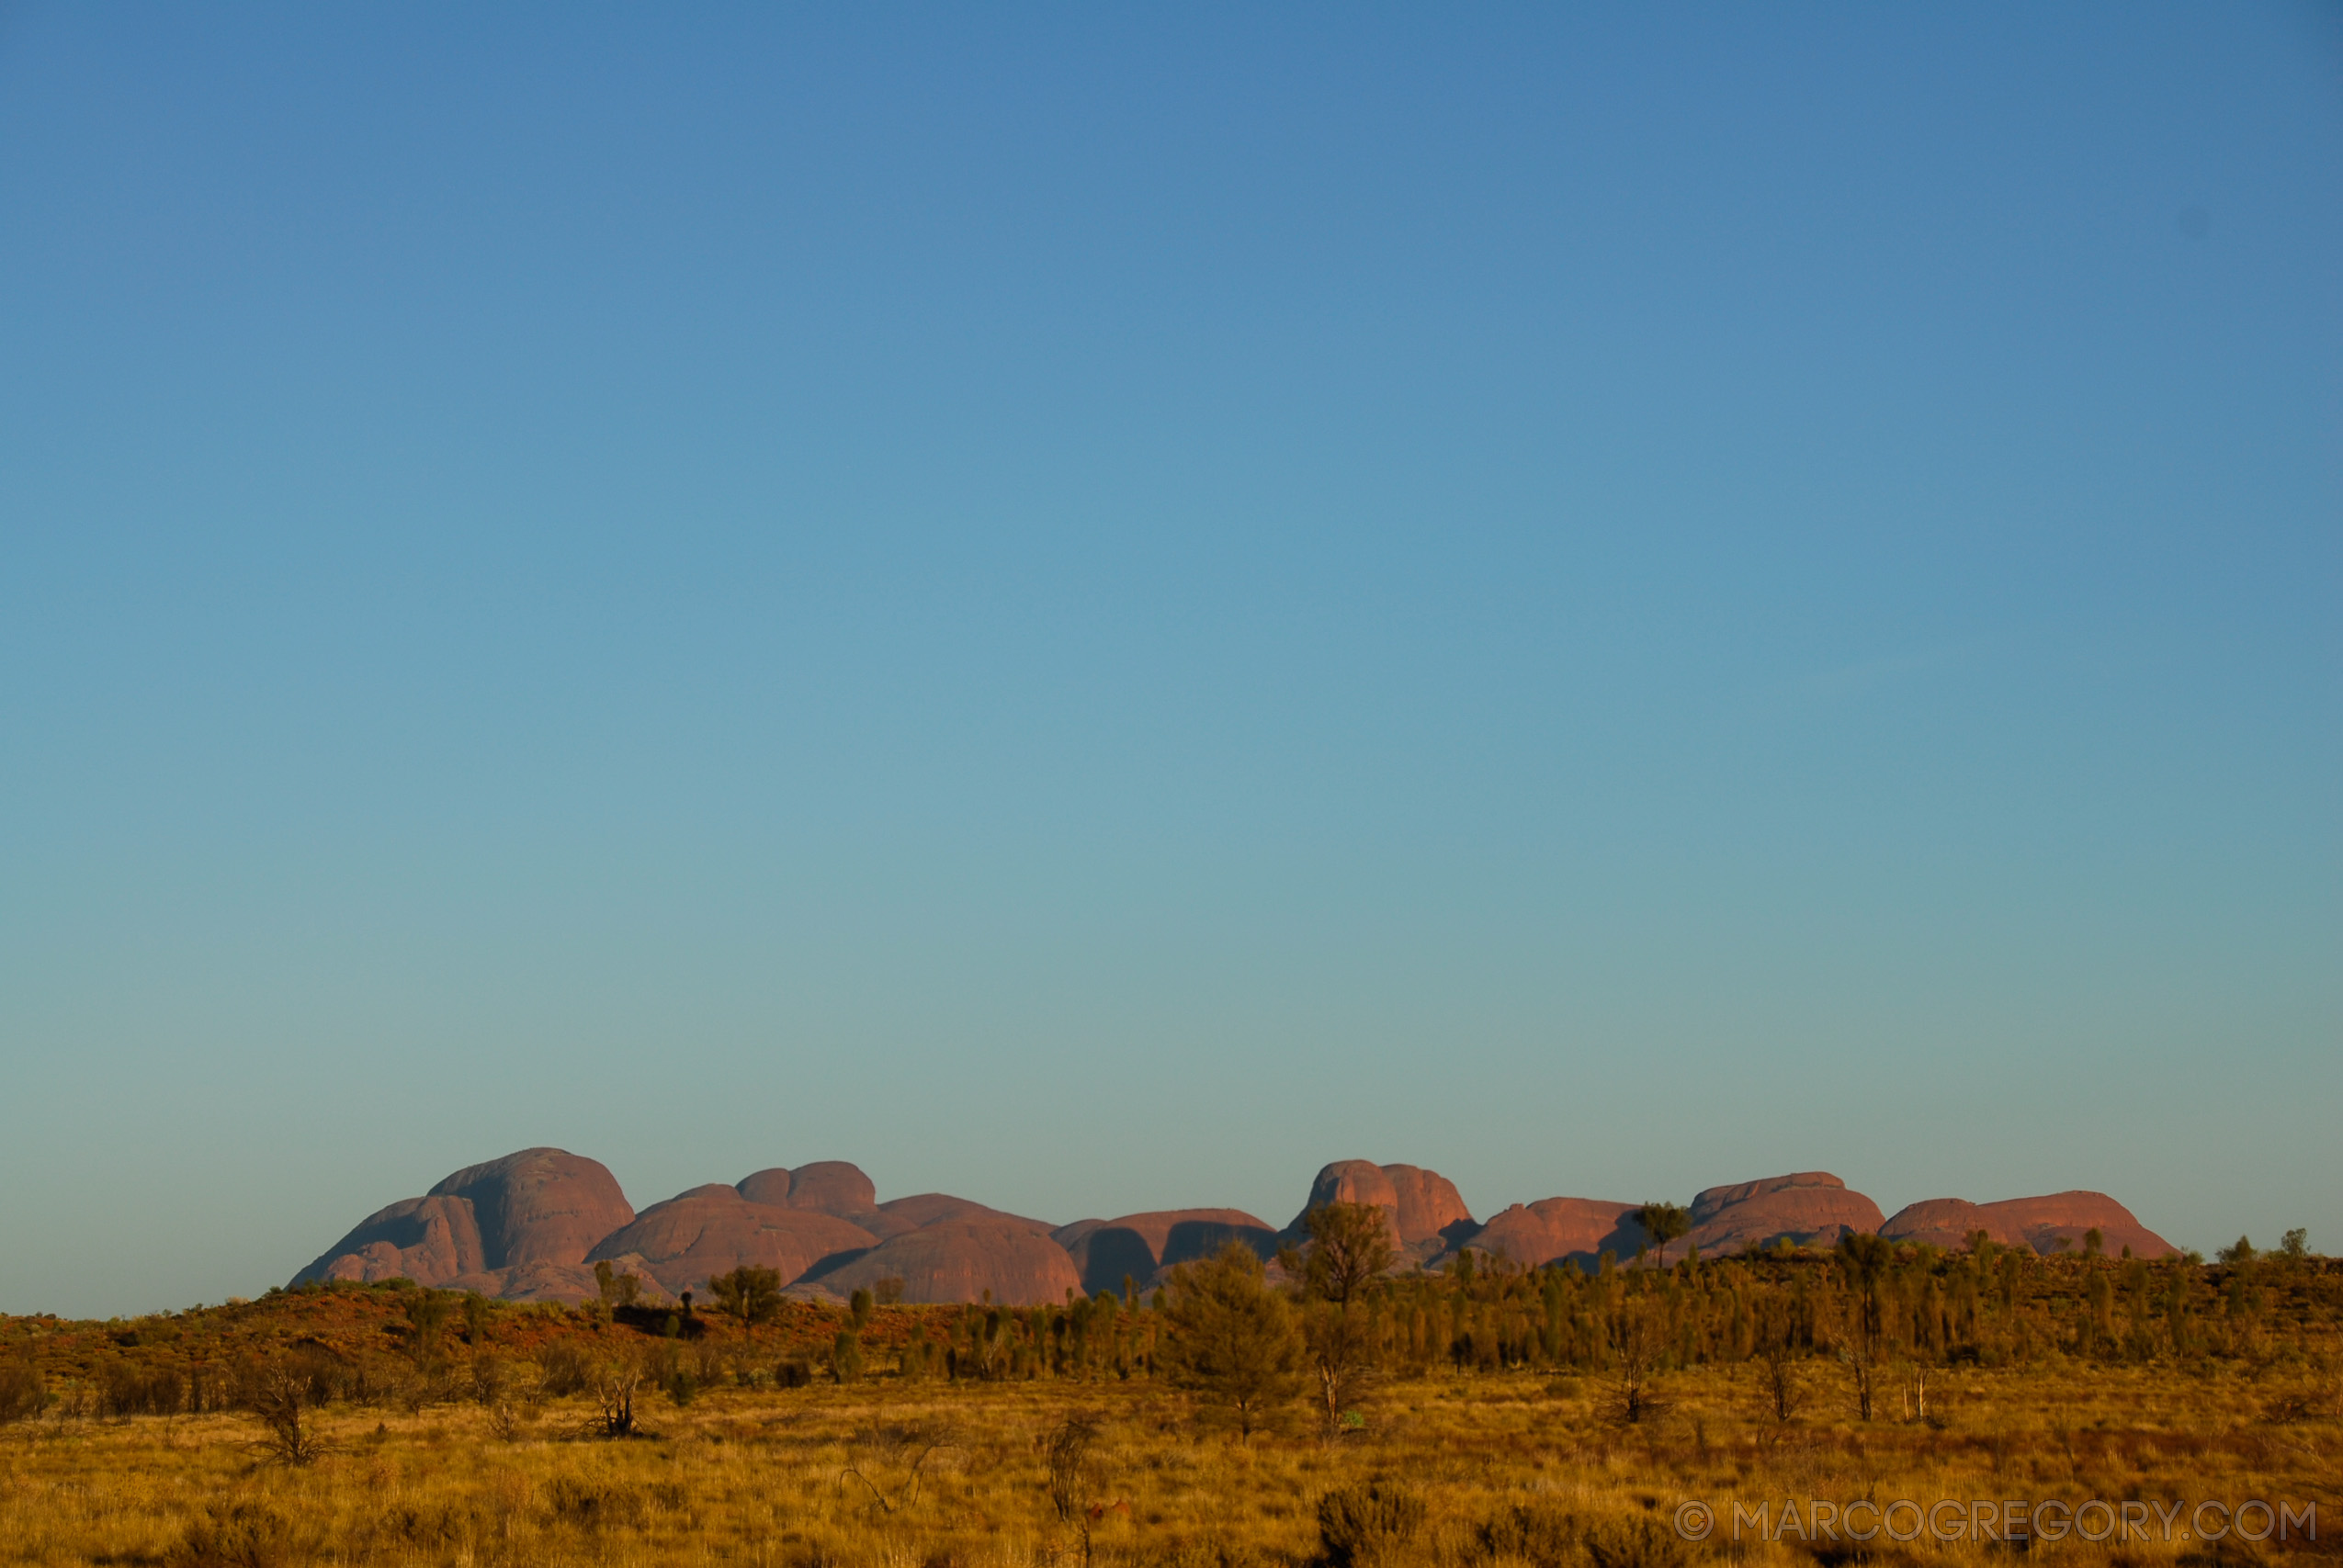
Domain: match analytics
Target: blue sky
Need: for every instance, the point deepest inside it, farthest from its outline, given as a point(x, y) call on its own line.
point(1094, 607)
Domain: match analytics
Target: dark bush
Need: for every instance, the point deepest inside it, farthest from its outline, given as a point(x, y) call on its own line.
point(1367, 1524)
point(127, 1390)
point(1544, 1535)
point(22, 1394)
point(235, 1535)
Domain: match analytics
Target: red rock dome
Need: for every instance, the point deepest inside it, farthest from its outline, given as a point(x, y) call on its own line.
point(1810, 1208)
point(540, 1206)
point(432, 1241)
point(960, 1260)
point(1553, 1229)
point(833, 1187)
point(766, 1187)
point(923, 1209)
point(1352, 1181)
point(1141, 1246)
point(1946, 1222)
point(1428, 1202)
point(713, 1230)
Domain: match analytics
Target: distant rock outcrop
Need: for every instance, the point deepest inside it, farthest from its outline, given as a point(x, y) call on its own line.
point(825, 1187)
point(429, 1240)
point(1139, 1247)
point(1556, 1230)
point(531, 1226)
point(1811, 1208)
point(1430, 1207)
point(1426, 1214)
point(540, 1206)
point(922, 1209)
point(964, 1260)
point(714, 1230)
point(2042, 1224)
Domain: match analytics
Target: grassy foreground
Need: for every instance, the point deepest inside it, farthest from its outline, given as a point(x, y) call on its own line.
point(483, 1458)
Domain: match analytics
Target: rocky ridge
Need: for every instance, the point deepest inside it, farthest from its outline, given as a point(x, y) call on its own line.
point(533, 1225)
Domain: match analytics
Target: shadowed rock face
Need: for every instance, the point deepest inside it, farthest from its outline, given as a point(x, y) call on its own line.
point(540, 1206)
point(429, 1240)
point(960, 1260)
point(1553, 1229)
point(1139, 1247)
point(1810, 1208)
point(713, 1230)
point(2039, 1223)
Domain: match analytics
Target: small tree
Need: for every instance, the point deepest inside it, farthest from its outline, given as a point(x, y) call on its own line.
point(861, 1305)
point(1663, 1223)
point(1343, 1352)
point(427, 1316)
point(615, 1383)
point(1863, 1260)
point(613, 1289)
point(1229, 1337)
point(749, 1293)
point(1350, 1245)
point(1637, 1340)
point(21, 1393)
point(1077, 1475)
point(846, 1355)
point(279, 1393)
point(1783, 1396)
point(2295, 1244)
point(2242, 1252)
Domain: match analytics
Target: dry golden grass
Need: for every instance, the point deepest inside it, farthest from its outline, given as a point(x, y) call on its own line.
point(934, 1473)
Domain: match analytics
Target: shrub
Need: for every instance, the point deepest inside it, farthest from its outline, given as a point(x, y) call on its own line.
point(1638, 1541)
point(127, 1390)
point(235, 1535)
point(1544, 1535)
point(591, 1504)
point(1369, 1524)
point(562, 1369)
point(21, 1393)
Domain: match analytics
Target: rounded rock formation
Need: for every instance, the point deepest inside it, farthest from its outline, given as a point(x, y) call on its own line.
point(1352, 1181)
point(833, 1187)
point(1430, 1207)
point(713, 1230)
point(960, 1260)
point(432, 1241)
point(766, 1187)
point(1944, 1222)
point(923, 1209)
point(1139, 1247)
point(2040, 1222)
point(1808, 1208)
point(540, 1206)
point(1554, 1229)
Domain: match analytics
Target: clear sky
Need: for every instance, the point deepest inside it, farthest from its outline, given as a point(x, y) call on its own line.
point(1094, 606)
